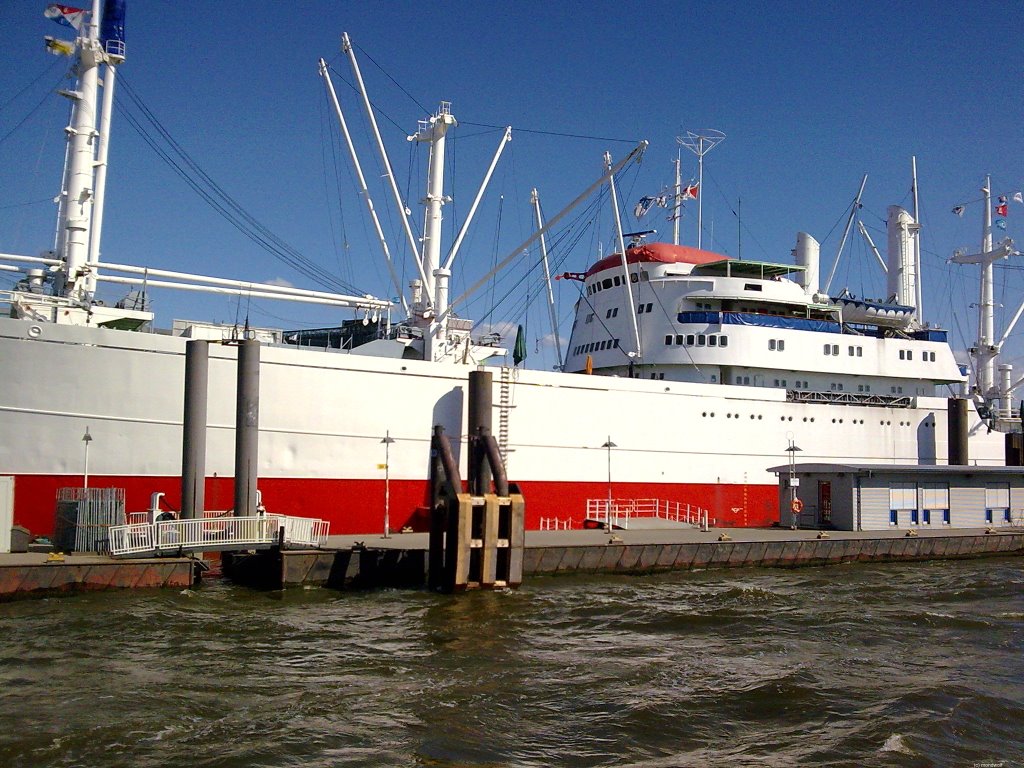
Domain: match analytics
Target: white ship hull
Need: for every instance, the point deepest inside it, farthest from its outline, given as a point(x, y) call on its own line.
point(323, 416)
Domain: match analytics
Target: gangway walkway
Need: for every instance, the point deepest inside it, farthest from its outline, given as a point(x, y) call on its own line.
point(216, 534)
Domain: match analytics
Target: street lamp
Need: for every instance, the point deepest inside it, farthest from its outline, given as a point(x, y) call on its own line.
point(387, 441)
point(86, 438)
point(793, 482)
point(608, 510)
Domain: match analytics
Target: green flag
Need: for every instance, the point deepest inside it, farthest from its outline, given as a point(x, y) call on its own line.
point(519, 352)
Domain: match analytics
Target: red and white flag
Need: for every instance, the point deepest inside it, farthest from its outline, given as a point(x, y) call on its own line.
point(66, 15)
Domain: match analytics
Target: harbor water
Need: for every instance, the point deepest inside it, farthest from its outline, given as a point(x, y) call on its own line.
point(884, 665)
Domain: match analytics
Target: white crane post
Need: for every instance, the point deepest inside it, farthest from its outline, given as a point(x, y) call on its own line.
point(535, 199)
point(986, 321)
point(677, 202)
point(917, 245)
point(346, 46)
point(363, 189)
point(109, 79)
point(846, 232)
point(505, 139)
point(622, 253)
point(638, 150)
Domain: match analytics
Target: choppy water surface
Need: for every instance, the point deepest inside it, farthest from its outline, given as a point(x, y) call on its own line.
point(897, 665)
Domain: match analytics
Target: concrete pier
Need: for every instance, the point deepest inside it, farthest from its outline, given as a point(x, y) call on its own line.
point(401, 561)
point(36, 574)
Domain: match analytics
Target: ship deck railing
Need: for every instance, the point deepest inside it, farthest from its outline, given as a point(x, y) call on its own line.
point(178, 537)
point(622, 510)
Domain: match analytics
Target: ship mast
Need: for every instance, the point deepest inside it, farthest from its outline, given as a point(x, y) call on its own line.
point(986, 350)
point(700, 143)
point(80, 213)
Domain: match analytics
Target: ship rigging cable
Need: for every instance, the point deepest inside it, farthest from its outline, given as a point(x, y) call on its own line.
point(229, 208)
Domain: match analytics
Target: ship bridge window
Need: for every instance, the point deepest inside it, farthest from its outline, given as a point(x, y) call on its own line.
point(778, 345)
point(723, 341)
point(712, 341)
point(648, 308)
point(856, 351)
point(690, 339)
point(751, 287)
point(606, 283)
point(613, 312)
point(590, 318)
point(617, 280)
point(701, 339)
point(831, 349)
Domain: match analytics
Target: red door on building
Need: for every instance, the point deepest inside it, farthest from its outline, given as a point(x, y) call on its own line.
point(824, 502)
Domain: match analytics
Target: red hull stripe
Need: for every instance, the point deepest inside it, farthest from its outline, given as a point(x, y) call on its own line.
point(357, 506)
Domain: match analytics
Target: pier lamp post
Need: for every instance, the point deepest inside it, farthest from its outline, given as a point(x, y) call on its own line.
point(608, 510)
point(86, 438)
point(793, 482)
point(387, 441)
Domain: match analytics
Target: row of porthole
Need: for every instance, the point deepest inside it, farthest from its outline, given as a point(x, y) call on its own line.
point(882, 423)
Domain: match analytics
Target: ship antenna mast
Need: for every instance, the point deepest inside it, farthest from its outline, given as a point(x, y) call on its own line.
point(701, 142)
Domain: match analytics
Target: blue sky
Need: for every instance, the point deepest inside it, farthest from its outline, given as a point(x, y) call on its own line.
point(810, 95)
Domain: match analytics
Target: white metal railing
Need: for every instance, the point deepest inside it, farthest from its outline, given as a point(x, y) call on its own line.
point(216, 533)
point(149, 515)
point(556, 524)
point(134, 539)
point(622, 510)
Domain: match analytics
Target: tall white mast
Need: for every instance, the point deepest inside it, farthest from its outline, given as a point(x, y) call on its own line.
point(917, 245)
point(363, 189)
point(677, 202)
point(79, 190)
point(433, 131)
point(700, 143)
point(403, 213)
point(535, 200)
point(986, 350)
point(622, 253)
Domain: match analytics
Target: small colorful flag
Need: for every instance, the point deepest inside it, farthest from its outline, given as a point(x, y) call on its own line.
point(959, 211)
point(643, 206)
point(66, 15)
point(1001, 223)
point(690, 192)
point(1001, 209)
point(1018, 197)
point(59, 47)
point(1002, 198)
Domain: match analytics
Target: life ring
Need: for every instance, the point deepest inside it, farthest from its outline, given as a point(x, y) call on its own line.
point(797, 506)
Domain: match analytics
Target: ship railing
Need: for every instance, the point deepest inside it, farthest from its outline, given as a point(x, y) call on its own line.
point(556, 524)
point(217, 533)
point(623, 509)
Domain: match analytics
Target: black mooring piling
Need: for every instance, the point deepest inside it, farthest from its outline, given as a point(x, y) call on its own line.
point(476, 538)
point(193, 444)
point(957, 431)
point(247, 427)
point(480, 411)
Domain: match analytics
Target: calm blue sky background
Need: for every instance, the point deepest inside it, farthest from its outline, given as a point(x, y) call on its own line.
point(810, 95)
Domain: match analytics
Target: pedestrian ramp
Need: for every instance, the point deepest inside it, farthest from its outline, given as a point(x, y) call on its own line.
point(217, 534)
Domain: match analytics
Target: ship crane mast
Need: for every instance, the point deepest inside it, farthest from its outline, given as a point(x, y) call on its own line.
point(986, 349)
